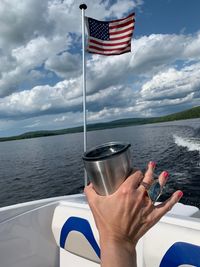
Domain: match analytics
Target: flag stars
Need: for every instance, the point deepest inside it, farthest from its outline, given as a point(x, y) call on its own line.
point(99, 29)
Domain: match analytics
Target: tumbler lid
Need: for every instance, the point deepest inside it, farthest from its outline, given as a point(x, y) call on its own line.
point(105, 151)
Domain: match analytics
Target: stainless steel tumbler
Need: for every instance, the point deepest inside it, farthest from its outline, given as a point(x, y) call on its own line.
point(107, 166)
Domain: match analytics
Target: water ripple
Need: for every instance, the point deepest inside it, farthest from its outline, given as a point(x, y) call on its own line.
point(52, 166)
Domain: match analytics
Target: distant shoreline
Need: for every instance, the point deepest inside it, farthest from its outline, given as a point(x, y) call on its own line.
point(184, 115)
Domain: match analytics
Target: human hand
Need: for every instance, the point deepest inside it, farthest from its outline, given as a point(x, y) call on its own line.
point(126, 215)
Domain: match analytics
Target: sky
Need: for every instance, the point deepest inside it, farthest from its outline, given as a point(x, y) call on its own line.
point(41, 73)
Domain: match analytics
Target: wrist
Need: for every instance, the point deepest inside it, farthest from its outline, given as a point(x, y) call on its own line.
point(117, 252)
point(114, 241)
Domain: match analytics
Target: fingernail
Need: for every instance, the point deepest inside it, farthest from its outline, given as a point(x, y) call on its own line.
point(166, 175)
point(180, 194)
point(152, 164)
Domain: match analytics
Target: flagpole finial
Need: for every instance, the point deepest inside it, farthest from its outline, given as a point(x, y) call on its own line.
point(83, 6)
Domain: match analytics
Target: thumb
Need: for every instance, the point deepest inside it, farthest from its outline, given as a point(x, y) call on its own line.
point(90, 193)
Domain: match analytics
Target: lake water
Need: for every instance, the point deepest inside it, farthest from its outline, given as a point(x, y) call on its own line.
point(51, 166)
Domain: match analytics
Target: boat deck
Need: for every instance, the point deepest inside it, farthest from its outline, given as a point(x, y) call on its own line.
point(27, 237)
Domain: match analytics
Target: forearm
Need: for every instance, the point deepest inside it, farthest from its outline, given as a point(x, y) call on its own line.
point(123, 217)
point(117, 254)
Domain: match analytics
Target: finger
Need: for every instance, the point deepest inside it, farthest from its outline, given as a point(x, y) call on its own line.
point(148, 206)
point(163, 177)
point(157, 212)
point(148, 177)
point(166, 206)
point(133, 180)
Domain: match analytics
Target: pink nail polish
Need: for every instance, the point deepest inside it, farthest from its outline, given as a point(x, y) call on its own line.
point(166, 174)
point(180, 194)
point(152, 164)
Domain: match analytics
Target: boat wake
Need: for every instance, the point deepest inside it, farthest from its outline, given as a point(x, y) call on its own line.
point(197, 132)
point(192, 144)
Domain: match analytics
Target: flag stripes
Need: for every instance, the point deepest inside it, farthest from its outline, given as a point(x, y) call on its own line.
point(111, 37)
point(92, 42)
point(110, 53)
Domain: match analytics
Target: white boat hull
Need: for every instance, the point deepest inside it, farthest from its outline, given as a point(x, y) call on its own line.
point(60, 232)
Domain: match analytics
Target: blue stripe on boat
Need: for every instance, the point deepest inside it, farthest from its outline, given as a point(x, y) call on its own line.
point(80, 225)
point(181, 253)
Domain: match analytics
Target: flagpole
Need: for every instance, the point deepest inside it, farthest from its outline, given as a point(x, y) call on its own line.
point(83, 7)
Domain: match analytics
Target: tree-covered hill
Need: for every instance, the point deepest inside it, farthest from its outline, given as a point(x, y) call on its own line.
point(187, 114)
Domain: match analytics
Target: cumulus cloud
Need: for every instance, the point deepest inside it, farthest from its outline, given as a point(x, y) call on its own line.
point(65, 65)
point(120, 7)
point(51, 100)
point(22, 21)
point(26, 58)
point(40, 66)
point(106, 86)
point(173, 83)
point(35, 32)
point(150, 55)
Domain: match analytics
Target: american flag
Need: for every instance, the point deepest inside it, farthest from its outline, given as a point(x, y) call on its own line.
point(110, 37)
